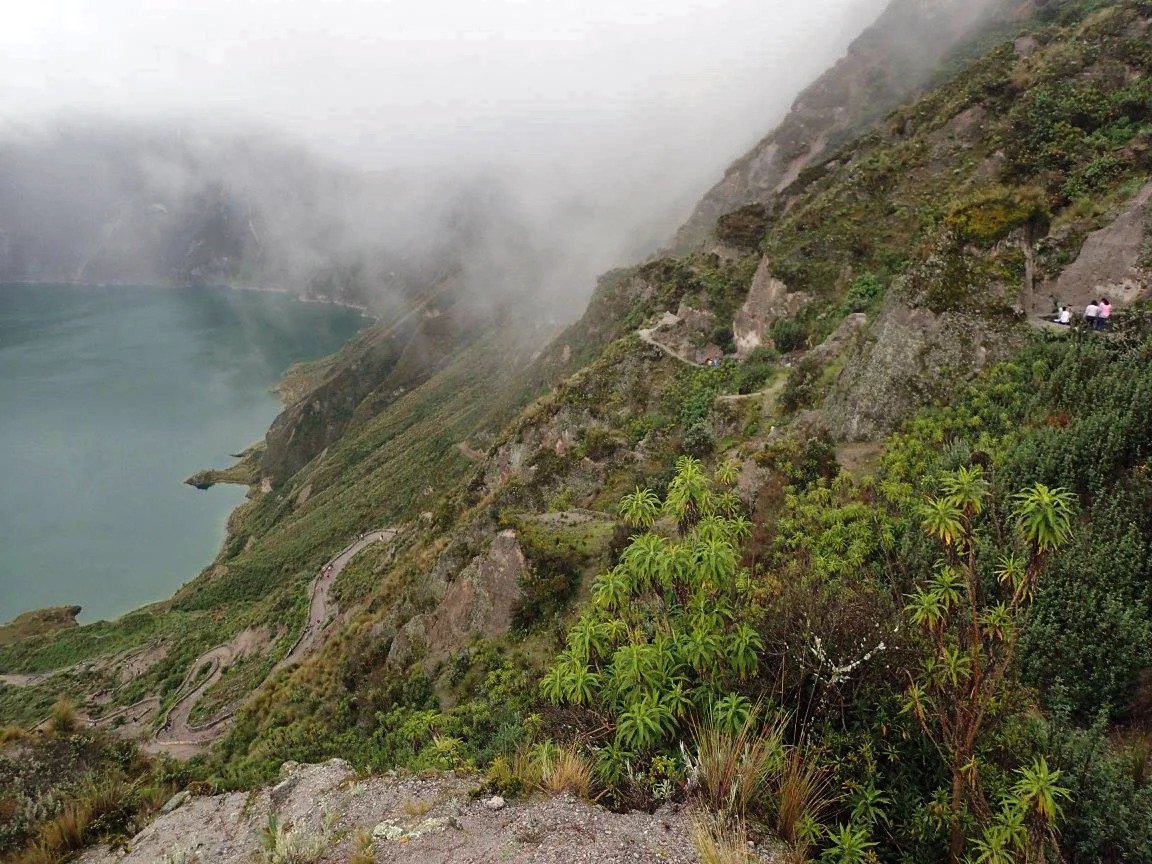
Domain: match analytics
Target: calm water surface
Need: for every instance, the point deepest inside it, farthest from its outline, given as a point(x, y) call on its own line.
point(109, 398)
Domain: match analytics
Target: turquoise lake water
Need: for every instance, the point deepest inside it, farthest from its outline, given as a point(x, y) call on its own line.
point(109, 398)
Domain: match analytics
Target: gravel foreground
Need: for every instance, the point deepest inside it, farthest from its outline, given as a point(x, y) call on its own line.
point(420, 819)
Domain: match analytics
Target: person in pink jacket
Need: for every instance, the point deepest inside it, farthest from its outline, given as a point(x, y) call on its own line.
point(1104, 314)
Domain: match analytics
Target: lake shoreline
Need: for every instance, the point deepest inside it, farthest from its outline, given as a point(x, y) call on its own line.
point(302, 297)
point(223, 338)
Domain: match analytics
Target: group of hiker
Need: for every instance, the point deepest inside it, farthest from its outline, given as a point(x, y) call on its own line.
point(1097, 314)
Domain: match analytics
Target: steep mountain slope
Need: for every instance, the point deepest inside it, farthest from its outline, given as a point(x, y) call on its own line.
point(893, 60)
point(884, 282)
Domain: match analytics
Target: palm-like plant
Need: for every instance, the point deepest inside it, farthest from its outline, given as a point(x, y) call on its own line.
point(552, 684)
point(744, 645)
point(612, 589)
point(629, 664)
point(1044, 516)
point(716, 563)
point(966, 489)
point(731, 713)
point(957, 665)
point(997, 622)
point(643, 723)
point(1037, 792)
point(610, 633)
point(941, 518)
point(640, 508)
point(947, 585)
point(689, 494)
point(963, 676)
point(584, 639)
point(700, 649)
point(727, 473)
point(728, 504)
point(645, 558)
point(926, 609)
point(1012, 571)
point(580, 684)
point(849, 845)
point(677, 700)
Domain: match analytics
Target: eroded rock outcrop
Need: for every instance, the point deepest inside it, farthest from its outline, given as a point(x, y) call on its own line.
point(1113, 262)
point(910, 356)
point(768, 301)
point(477, 601)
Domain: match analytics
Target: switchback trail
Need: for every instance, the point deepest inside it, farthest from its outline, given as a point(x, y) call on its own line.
point(177, 736)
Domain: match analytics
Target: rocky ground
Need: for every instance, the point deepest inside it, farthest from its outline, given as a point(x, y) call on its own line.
point(326, 813)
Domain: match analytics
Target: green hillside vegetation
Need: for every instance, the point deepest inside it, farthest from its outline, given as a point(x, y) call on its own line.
point(939, 654)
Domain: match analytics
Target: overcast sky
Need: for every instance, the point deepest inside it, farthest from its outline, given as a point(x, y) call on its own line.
point(383, 82)
point(610, 117)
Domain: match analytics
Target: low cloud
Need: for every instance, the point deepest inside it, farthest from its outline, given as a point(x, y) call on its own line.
point(526, 144)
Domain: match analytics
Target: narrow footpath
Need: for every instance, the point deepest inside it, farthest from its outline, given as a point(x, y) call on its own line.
point(177, 736)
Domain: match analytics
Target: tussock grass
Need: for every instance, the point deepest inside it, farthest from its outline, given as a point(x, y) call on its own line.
point(68, 830)
point(416, 807)
point(285, 844)
point(568, 771)
point(803, 796)
point(719, 843)
point(64, 719)
point(363, 853)
point(734, 769)
point(12, 735)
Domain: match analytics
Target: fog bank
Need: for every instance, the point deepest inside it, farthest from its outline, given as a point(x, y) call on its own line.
point(559, 137)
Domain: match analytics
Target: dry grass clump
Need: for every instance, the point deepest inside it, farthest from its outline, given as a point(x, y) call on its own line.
point(67, 831)
point(733, 769)
point(416, 807)
point(64, 720)
point(13, 735)
point(752, 769)
point(719, 843)
point(285, 844)
point(363, 853)
point(569, 771)
point(803, 796)
point(546, 768)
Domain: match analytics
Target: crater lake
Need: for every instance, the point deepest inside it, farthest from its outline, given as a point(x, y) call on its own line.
point(110, 397)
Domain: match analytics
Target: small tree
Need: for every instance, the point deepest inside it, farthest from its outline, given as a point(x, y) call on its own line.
point(973, 631)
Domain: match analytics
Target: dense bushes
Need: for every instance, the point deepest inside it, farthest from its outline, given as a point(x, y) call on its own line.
point(745, 227)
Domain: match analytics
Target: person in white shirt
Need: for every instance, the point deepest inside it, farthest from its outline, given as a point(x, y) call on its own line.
point(1065, 316)
point(1090, 313)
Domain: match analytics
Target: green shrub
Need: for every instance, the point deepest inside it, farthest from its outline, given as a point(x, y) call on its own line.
point(863, 294)
point(758, 368)
point(802, 388)
point(546, 590)
point(788, 335)
point(1109, 817)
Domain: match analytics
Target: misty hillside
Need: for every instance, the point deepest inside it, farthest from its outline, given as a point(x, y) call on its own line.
point(815, 528)
point(103, 203)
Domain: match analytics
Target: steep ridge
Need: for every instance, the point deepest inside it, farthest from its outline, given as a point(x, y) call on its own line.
point(893, 59)
point(888, 275)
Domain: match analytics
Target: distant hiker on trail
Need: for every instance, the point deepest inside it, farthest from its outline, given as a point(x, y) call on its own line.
point(1065, 316)
point(1091, 311)
point(1103, 314)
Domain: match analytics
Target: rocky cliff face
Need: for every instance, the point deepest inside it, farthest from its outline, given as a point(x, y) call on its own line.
point(891, 61)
